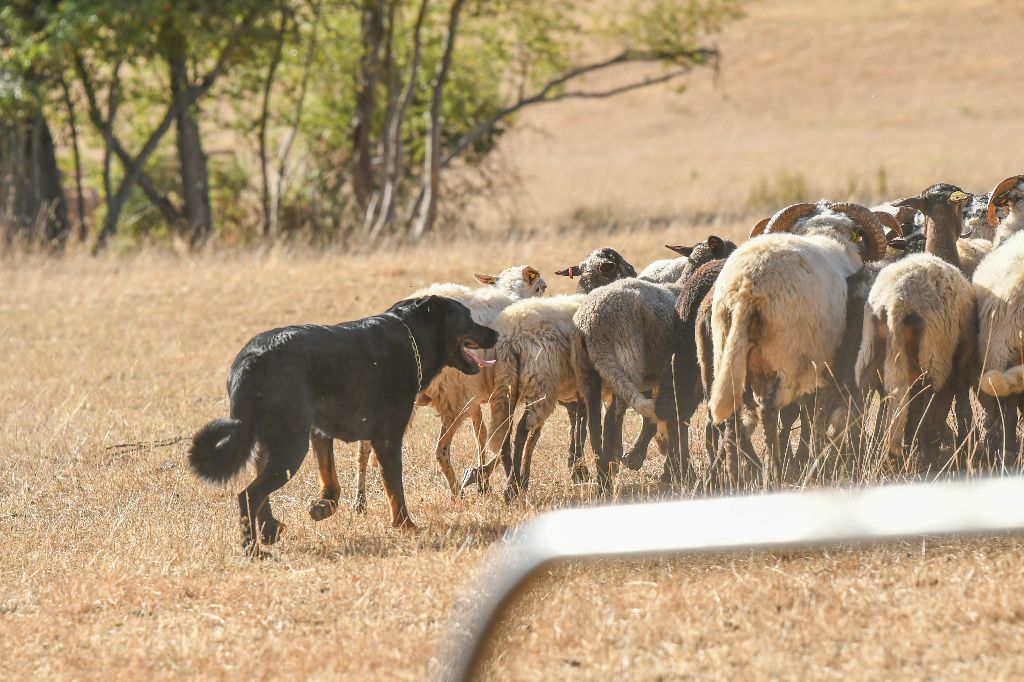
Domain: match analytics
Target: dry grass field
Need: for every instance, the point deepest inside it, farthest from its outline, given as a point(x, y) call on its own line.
point(118, 564)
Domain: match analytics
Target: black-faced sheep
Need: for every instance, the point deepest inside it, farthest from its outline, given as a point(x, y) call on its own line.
point(622, 343)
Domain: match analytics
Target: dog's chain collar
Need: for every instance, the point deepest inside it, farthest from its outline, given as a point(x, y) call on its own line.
point(415, 354)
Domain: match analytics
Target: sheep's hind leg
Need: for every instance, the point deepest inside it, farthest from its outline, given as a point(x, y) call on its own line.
point(634, 458)
point(577, 441)
point(611, 441)
point(362, 460)
point(442, 453)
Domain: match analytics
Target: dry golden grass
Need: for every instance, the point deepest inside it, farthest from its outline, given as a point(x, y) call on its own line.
point(118, 564)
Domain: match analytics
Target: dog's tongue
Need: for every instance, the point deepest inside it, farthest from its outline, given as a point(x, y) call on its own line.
point(478, 357)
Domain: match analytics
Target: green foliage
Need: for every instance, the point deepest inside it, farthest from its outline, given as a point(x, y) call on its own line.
point(507, 51)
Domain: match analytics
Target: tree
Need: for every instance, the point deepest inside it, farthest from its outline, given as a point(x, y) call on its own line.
point(31, 197)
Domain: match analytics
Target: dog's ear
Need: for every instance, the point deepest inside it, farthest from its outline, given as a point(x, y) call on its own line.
point(485, 279)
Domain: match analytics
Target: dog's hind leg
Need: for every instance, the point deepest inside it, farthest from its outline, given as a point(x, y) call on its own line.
point(389, 457)
point(362, 459)
point(330, 490)
point(283, 443)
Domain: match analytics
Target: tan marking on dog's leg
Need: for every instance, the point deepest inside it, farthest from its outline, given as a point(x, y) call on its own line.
point(330, 490)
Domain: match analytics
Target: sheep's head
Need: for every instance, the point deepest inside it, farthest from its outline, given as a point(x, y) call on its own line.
point(943, 204)
point(894, 237)
point(976, 218)
point(1008, 195)
point(520, 280)
point(712, 248)
point(603, 266)
point(833, 217)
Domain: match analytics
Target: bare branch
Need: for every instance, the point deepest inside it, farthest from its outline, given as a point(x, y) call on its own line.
point(549, 91)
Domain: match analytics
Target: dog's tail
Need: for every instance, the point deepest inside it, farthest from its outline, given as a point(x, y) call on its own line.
point(221, 449)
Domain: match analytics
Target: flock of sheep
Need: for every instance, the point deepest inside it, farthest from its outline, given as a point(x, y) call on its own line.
point(920, 301)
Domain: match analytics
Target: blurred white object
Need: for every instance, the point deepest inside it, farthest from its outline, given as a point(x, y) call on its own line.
point(768, 521)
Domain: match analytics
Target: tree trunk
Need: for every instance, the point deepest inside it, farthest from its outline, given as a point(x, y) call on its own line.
point(69, 104)
point(32, 200)
point(432, 154)
point(366, 101)
point(195, 181)
point(393, 132)
point(269, 215)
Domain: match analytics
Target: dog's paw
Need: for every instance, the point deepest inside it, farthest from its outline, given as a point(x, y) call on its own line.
point(270, 532)
point(322, 509)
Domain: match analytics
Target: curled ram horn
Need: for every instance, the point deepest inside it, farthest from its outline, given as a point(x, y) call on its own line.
point(758, 229)
point(890, 225)
point(870, 229)
point(998, 197)
point(784, 220)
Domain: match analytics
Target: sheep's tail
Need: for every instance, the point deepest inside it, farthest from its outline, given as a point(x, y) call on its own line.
point(607, 364)
point(221, 449)
point(871, 358)
point(731, 372)
point(1001, 384)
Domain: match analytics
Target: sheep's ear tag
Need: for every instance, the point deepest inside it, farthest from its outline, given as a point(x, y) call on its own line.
point(485, 279)
point(570, 272)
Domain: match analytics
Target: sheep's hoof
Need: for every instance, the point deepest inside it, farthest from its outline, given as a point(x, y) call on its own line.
point(580, 474)
point(634, 461)
point(254, 551)
point(359, 504)
point(473, 478)
point(322, 509)
point(511, 494)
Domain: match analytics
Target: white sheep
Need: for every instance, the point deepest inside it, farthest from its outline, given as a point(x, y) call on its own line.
point(999, 288)
point(532, 369)
point(779, 311)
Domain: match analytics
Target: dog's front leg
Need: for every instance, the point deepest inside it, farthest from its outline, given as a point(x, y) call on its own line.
point(389, 457)
point(330, 490)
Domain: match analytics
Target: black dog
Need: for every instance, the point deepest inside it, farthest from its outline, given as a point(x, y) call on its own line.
point(354, 381)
